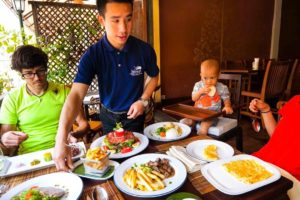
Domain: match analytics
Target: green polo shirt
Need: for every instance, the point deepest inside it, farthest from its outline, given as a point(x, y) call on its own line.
point(38, 117)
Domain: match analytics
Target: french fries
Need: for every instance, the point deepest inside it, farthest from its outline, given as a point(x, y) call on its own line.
point(136, 178)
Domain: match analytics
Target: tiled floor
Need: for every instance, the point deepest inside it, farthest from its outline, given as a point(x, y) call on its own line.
point(252, 141)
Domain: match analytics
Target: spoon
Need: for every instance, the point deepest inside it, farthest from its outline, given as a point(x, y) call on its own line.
point(99, 193)
point(255, 125)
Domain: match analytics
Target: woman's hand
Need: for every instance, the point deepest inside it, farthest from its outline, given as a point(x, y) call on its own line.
point(258, 105)
point(13, 138)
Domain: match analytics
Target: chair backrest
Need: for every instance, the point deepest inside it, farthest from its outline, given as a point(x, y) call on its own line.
point(149, 112)
point(293, 81)
point(275, 79)
point(234, 84)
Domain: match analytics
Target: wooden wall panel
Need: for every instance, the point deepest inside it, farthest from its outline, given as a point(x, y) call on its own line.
point(193, 30)
point(186, 27)
point(247, 29)
point(289, 43)
point(139, 29)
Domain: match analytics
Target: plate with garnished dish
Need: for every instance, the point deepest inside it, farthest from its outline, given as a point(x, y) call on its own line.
point(128, 145)
point(167, 131)
point(39, 160)
point(61, 184)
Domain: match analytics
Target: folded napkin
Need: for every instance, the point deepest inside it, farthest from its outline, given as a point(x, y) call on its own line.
point(191, 164)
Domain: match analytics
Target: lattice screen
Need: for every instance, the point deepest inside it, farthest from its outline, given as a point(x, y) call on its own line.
point(67, 30)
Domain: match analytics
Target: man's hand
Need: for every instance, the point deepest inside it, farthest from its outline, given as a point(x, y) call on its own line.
point(62, 157)
point(136, 109)
point(13, 138)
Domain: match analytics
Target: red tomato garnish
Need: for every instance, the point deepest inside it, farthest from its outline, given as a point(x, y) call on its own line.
point(119, 133)
point(28, 195)
point(126, 150)
point(104, 148)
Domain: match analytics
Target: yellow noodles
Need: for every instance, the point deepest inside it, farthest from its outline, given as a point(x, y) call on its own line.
point(248, 171)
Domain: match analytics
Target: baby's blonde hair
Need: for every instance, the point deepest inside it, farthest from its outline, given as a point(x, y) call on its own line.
point(210, 63)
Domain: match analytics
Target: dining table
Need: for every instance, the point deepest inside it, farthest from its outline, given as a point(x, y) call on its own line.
point(195, 182)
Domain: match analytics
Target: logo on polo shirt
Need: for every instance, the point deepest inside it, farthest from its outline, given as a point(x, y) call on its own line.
point(136, 71)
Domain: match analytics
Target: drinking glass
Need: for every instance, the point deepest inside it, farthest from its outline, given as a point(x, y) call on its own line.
point(3, 188)
point(1, 160)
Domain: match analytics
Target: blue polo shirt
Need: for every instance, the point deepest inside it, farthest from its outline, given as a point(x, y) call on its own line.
point(120, 72)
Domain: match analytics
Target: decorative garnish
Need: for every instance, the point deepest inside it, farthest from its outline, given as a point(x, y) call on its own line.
point(118, 126)
point(119, 131)
point(35, 162)
point(47, 156)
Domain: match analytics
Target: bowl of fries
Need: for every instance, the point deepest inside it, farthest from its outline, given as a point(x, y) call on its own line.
point(96, 161)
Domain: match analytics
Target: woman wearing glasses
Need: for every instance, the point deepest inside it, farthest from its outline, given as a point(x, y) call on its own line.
point(29, 115)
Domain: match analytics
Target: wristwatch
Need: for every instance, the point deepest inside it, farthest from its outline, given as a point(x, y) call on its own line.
point(144, 101)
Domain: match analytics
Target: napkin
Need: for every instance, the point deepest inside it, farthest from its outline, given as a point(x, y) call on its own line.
point(191, 164)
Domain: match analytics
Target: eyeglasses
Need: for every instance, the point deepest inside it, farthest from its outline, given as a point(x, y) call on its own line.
point(38, 73)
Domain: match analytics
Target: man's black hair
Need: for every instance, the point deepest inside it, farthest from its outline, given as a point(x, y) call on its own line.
point(101, 4)
point(28, 56)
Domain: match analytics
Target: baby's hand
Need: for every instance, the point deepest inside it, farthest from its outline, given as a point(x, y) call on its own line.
point(228, 110)
point(204, 90)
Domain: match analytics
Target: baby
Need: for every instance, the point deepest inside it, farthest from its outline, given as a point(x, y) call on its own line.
point(208, 93)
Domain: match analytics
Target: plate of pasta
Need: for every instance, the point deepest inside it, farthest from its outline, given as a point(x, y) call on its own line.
point(239, 174)
point(150, 175)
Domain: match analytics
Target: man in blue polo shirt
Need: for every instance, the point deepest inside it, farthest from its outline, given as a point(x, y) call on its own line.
point(119, 61)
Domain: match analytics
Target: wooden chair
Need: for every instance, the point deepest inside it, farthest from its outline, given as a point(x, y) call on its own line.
point(95, 127)
point(231, 122)
point(293, 81)
point(228, 127)
point(274, 84)
point(149, 112)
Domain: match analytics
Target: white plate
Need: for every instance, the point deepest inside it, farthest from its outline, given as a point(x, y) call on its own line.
point(144, 143)
point(21, 164)
point(196, 148)
point(228, 184)
point(78, 166)
point(172, 183)
point(149, 131)
point(71, 183)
